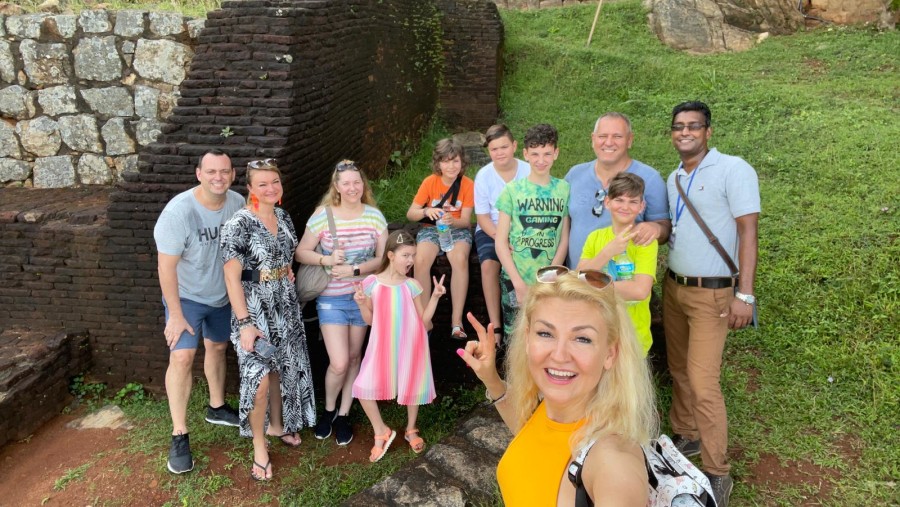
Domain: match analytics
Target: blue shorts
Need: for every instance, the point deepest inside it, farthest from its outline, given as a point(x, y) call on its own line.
point(210, 322)
point(339, 311)
point(485, 246)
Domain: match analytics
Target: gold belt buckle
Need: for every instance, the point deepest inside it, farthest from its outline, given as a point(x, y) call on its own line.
point(269, 275)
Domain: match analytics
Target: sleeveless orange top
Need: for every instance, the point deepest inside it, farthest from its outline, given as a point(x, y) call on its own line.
point(533, 465)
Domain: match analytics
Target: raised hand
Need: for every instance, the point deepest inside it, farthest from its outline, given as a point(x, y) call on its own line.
point(439, 289)
point(481, 355)
point(620, 242)
point(358, 294)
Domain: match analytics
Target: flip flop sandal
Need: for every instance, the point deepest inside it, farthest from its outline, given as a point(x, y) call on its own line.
point(417, 444)
point(284, 439)
point(265, 468)
point(457, 333)
point(378, 452)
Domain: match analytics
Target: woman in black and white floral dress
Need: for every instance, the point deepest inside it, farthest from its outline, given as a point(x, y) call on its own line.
point(258, 245)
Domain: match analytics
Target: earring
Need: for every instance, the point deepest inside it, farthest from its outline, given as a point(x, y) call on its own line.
point(279, 201)
point(254, 201)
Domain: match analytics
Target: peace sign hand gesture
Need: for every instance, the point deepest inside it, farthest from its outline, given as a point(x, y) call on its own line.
point(439, 289)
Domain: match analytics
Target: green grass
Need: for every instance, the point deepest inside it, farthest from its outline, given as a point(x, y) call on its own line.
point(72, 474)
point(192, 8)
point(309, 482)
point(816, 114)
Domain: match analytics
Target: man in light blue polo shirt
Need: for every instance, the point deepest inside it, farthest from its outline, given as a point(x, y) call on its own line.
point(702, 298)
point(588, 183)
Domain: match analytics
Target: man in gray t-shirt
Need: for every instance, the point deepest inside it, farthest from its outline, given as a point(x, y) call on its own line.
point(192, 280)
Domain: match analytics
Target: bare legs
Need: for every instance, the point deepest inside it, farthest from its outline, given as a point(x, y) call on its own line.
point(370, 407)
point(426, 253)
point(344, 347)
point(214, 368)
point(257, 419)
point(459, 279)
point(490, 285)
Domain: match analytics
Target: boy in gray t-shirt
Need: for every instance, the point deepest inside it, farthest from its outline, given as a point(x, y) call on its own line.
point(192, 280)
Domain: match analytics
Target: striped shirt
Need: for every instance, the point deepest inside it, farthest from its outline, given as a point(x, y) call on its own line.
point(357, 236)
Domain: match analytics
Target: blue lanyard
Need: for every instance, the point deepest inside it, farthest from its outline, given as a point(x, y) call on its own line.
point(679, 206)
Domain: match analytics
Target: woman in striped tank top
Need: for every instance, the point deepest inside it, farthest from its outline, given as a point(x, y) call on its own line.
point(355, 252)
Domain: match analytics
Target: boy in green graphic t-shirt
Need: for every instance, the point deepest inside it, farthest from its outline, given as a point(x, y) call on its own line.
point(534, 218)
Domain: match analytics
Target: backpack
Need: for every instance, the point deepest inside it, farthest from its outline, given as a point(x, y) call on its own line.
point(673, 481)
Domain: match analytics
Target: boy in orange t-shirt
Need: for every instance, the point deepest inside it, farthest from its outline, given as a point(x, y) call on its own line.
point(448, 162)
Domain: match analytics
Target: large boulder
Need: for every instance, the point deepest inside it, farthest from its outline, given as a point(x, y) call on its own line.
point(709, 26)
point(853, 11)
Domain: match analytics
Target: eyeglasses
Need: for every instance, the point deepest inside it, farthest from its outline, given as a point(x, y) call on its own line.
point(597, 210)
point(259, 164)
point(693, 127)
point(594, 278)
point(346, 165)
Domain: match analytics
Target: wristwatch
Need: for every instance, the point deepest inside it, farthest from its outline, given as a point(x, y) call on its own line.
point(355, 270)
point(746, 298)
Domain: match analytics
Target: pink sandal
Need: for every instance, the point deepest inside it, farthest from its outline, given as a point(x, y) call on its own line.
point(378, 452)
point(417, 444)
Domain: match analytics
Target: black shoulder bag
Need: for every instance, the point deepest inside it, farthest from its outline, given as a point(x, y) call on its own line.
point(451, 194)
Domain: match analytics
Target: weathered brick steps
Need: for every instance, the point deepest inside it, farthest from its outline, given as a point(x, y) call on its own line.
point(36, 367)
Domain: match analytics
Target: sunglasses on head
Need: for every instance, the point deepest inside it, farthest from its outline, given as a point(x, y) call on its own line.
point(258, 164)
point(594, 278)
point(346, 165)
point(597, 210)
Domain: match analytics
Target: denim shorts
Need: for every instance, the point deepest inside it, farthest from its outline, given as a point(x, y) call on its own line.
point(430, 235)
point(485, 246)
point(213, 324)
point(339, 311)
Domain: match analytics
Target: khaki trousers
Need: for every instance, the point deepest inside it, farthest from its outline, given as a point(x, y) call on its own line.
point(696, 325)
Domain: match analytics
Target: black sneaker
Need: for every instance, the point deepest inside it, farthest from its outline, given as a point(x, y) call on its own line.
point(343, 432)
point(686, 446)
point(223, 416)
point(721, 486)
point(180, 459)
point(323, 427)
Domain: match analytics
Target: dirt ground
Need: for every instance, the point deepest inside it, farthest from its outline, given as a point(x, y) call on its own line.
point(30, 468)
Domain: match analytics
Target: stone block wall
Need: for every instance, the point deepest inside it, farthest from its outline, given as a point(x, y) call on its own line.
point(81, 94)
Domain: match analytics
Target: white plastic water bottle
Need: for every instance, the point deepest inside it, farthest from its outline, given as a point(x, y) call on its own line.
point(624, 267)
point(444, 237)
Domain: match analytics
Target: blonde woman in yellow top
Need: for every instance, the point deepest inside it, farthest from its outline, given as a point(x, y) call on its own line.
point(575, 372)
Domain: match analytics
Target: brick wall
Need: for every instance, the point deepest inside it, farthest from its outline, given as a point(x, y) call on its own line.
point(306, 82)
point(473, 39)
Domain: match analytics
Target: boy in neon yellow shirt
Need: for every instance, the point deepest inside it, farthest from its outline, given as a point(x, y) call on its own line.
point(625, 201)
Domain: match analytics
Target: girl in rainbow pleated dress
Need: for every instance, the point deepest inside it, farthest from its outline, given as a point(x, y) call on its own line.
point(396, 363)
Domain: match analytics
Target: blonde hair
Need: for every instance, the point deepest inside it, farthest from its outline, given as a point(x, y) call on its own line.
point(333, 198)
point(624, 403)
point(260, 165)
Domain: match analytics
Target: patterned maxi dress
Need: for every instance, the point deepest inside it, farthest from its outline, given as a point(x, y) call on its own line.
point(397, 363)
point(274, 309)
